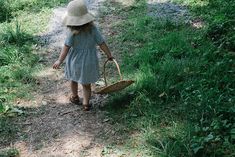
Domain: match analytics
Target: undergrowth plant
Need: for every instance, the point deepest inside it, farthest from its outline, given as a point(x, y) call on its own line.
point(184, 89)
point(17, 41)
point(20, 23)
point(12, 8)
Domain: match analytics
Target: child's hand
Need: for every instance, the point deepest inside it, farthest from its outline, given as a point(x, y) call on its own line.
point(56, 65)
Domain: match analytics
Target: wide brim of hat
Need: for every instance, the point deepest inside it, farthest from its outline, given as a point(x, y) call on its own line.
point(78, 21)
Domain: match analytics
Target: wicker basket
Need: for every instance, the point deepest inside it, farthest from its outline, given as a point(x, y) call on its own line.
point(115, 86)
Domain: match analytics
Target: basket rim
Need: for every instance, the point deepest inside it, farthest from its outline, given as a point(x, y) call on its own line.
point(107, 87)
point(114, 87)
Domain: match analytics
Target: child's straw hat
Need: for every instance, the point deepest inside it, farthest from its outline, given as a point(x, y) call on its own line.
point(77, 14)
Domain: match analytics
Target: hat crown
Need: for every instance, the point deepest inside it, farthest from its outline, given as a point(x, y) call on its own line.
point(77, 14)
point(77, 8)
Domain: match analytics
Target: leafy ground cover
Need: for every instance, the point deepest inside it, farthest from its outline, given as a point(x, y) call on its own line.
point(182, 103)
point(19, 27)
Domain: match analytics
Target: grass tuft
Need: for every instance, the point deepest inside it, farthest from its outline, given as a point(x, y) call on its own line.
point(184, 85)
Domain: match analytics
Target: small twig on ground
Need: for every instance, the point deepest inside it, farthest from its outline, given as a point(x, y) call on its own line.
point(67, 112)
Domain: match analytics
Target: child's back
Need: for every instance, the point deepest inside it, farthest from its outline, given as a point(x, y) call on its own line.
point(85, 39)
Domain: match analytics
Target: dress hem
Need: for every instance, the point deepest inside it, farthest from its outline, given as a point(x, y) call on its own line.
point(81, 82)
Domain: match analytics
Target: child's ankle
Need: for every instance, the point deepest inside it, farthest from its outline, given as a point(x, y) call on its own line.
point(74, 96)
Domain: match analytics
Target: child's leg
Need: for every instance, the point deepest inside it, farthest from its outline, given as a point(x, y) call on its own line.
point(86, 94)
point(74, 97)
point(74, 88)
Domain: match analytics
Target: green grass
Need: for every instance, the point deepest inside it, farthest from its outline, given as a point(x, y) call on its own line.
point(182, 103)
point(20, 23)
point(219, 16)
point(13, 8)
point(9, 153)
point(18, 30)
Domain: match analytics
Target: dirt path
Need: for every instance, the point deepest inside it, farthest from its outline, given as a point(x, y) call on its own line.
point(55, 127)
point(166, 10)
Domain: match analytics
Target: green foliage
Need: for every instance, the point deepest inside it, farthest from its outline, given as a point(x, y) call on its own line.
point(184, 83)
point(168, 147)
point(14, 35)
point(221, 26)
point(9, 153)
point(219, 16)
point(18, 27)
point(5, 11)
point(18, 61)
point(15, 45)
point(11, 8)
point(214, 137)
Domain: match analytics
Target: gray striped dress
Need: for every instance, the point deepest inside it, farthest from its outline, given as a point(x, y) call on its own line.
point(82, 60)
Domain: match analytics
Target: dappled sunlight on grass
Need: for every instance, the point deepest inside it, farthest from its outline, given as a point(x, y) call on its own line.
point(18, 56)
point(192, 3)
point(37, 22)
point(126, 3)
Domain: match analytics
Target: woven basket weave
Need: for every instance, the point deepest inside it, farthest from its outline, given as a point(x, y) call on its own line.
point(115, 86)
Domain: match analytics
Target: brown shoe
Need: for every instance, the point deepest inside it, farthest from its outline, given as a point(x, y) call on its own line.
point(75, 100)
point(86, 107)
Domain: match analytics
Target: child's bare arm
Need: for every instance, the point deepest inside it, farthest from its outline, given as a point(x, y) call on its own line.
point(106, 50)
point(63, 55)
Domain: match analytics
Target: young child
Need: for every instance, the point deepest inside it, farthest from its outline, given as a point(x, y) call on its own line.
point(80, 51)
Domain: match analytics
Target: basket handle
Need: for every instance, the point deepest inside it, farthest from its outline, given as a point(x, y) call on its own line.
point(118, 68)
